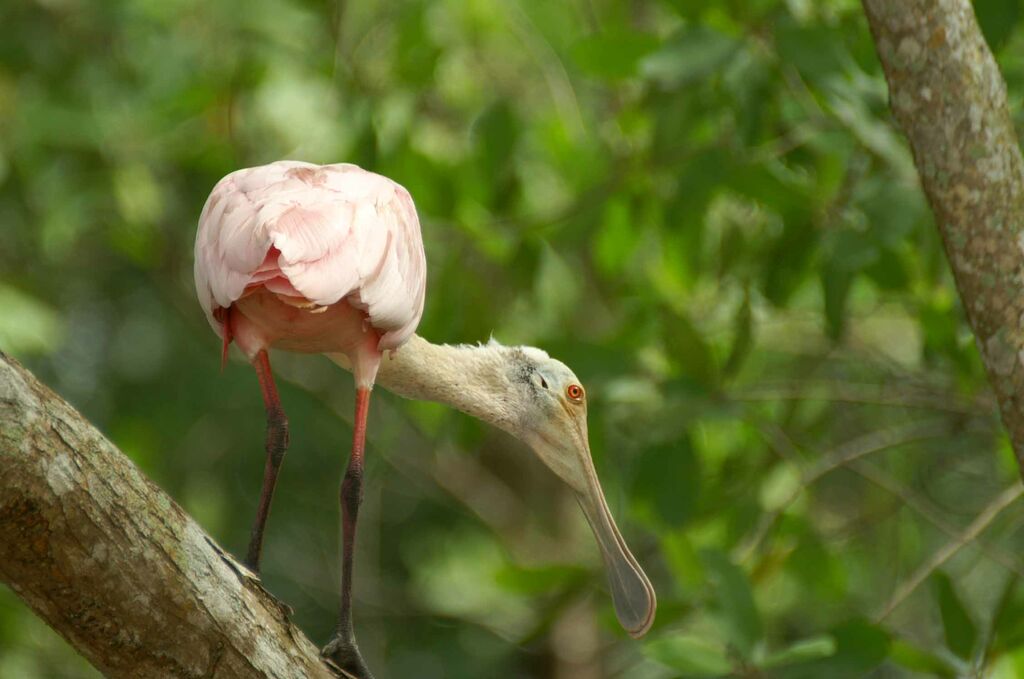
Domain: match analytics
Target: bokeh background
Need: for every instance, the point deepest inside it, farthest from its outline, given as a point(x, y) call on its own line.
point(701, 206)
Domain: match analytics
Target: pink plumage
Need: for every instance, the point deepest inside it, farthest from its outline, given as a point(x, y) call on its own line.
point(313, 236)
point(314, 259)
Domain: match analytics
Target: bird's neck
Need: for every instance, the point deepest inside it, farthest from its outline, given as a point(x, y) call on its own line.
point(470, 378)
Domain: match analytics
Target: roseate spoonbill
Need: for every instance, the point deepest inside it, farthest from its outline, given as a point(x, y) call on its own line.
point(329, 259)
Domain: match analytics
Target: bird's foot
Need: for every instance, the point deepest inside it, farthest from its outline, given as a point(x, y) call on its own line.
point(252, 568)
point(243, 569)
point(345, 654)
point(249, 575)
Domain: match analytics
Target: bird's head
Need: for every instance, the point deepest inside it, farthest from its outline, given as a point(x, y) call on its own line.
point(552, 420)
point(540, 401)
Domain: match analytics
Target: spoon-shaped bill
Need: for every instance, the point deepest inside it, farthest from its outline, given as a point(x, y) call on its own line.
point(632, 593)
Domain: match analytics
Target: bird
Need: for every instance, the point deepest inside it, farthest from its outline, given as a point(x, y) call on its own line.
point(312, 259)
point(329, 259)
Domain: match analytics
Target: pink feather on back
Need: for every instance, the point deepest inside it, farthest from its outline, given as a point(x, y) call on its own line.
point(342, 233)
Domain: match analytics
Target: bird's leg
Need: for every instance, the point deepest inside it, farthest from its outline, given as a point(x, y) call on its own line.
point(277, 444)
point(342, 648)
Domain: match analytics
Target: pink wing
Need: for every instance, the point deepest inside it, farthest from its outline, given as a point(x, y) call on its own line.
point(342, 232)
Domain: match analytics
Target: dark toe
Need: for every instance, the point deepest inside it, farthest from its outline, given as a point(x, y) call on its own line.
point(345, 654)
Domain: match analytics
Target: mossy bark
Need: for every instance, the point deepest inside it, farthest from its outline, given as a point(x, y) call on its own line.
point(949, 98)
point(115, 566)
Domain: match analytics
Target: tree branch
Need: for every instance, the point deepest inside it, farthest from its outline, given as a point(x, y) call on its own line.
point(115, 566)
point(949, 98)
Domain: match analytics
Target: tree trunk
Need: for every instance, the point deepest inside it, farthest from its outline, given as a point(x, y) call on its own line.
point(949, 98)
point(115, 566)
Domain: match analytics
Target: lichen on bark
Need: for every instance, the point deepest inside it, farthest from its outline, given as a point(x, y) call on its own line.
point(949, 98)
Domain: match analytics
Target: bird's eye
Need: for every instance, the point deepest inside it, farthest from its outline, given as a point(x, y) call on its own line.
point(575, 393)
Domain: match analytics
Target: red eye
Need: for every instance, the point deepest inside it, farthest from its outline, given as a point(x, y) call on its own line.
point(574, 392)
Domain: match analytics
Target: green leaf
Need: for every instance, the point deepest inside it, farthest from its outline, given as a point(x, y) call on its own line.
point(997, 18)
point(786, 261)
point(860, 648)
point(734, 600)
point(816, 51)
point(540, 580)
point(906, 654)
point(803, 651)
point(668, 480)
point(957, 625)
point(613, 55)
point(836, 283)
point(688, 348)
point(682, 559)
point(731, 250)
point(27, 326)
point(889, 271)
point(690, 655)
point(556, 285)
point(688, 9)
point(779, 485)
point(778, 190)
point(616, 239)
point(875, 133)
point(849, 251)
point(1008, 632)
point(417, 60)
point(891, 212)
point(743, 338)
point(494, 134)
point(697, 184)
point(852, 250)
point(693, 53)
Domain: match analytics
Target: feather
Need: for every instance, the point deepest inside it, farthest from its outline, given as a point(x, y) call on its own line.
point(323, 233)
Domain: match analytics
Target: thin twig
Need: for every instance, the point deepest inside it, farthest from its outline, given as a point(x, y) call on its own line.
point(867, 394)
point(931, 513)
point(976, 527)
point(873, 442)
point(843, 455)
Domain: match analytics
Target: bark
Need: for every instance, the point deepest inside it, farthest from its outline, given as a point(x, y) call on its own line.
point(949, 98)
point(115, 566)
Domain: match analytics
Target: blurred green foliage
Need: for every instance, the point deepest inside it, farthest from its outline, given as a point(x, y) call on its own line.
point(703, 207)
